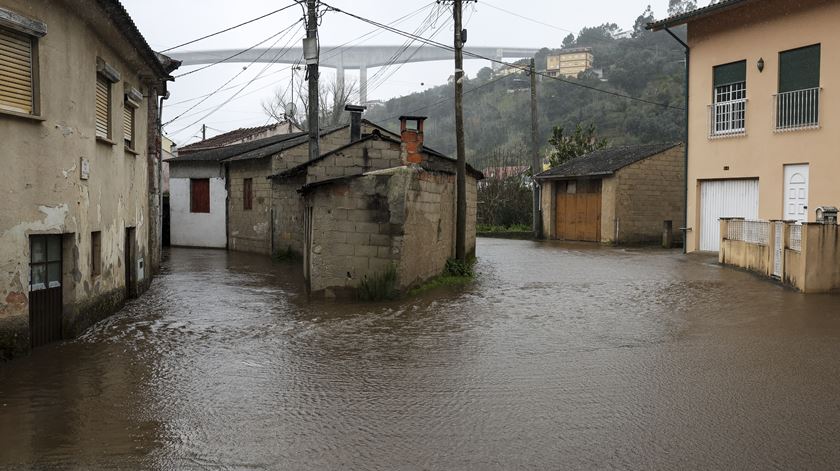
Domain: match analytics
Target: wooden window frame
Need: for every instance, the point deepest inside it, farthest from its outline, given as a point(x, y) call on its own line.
point(34, 71)
point(109, 126)
point(194, 207)
point(248, 194)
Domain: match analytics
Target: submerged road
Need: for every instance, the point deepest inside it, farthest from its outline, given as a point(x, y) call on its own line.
point(558, 357)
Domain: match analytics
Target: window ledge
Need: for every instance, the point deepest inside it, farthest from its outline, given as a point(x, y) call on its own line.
point(16, 114)
point(104, 140)
point(808, 127)
point(131, 151)
point(715, 137)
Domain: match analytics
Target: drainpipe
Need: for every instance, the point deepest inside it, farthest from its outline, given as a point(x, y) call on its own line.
point(162, 98)
point(685, 160)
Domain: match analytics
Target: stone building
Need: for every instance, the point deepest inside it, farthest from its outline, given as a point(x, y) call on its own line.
point(360, 220)
point(619, 195)
point(79, 226)
point(569, 62)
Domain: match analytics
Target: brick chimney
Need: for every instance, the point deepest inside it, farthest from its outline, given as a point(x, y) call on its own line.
point(411, 133)
point(355, 121)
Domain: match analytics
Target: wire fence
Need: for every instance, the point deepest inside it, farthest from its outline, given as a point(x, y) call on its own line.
point(753, 232)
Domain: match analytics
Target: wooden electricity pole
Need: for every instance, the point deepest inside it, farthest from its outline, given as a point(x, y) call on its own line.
point(536, 161)
point(311, 52)
point(461, 168)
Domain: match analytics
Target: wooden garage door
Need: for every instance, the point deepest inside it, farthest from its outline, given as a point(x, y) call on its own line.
point(578, 210)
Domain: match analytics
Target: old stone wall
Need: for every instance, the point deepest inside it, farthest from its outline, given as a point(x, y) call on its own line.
point(249, 230)
point(401, 217)
point(45, 193)
point(288, 215)
point(647, 193)
point(369, 155)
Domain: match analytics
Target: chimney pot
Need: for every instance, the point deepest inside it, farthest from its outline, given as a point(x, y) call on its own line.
point(411, 134)
point(355, 121)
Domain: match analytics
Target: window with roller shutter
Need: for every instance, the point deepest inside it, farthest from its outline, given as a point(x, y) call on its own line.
point(128, 126)
point(17, 76)
point(103, 107)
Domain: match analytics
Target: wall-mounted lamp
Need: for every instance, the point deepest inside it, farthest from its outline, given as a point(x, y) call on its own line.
point(761, 64)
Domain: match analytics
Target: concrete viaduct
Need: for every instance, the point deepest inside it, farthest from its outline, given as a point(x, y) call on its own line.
point(351, 57)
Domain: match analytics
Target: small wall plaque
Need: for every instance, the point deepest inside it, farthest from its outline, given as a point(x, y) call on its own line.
point(84, 166)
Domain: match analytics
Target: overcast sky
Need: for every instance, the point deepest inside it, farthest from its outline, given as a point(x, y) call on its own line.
point(166, 23)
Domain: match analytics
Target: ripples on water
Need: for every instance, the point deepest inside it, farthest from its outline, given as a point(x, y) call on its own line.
point(558, 356)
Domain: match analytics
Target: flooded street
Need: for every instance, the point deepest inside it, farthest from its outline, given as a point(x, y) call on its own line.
point(558, 356)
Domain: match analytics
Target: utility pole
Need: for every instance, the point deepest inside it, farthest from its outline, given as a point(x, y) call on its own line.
point(203, 132)
point(310, 48)
point(461, 168)
point(536, 162)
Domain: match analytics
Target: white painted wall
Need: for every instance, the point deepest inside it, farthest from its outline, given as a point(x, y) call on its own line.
point(196, 229)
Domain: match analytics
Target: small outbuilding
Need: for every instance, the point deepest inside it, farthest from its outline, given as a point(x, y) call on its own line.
point(621, 195)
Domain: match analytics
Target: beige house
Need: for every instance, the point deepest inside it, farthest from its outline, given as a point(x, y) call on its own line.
point(762, 161)
point(569, 62)
point(762, 128)
point(79, 224)
point(621, 195)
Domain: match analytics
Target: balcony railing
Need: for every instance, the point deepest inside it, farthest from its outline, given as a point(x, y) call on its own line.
point(728, 119)
point(797, 110)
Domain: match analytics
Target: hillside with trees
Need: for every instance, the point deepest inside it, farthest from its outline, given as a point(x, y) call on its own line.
point(639, 63)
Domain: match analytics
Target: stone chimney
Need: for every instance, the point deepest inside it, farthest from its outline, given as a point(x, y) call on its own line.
point(411, 133)
point(355, 121)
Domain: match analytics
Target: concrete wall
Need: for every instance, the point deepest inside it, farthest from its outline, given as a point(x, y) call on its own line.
point(821, 247)
point(761, 30)
point(753, 257)
point(188, 229)
point(41, 173)
point(646, 193)
point(249, 230)
point(402, 217)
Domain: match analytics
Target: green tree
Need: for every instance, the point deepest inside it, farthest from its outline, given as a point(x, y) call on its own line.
point(675, 7)
point(569, 41)
point(485, 74)
point(566, 148)
point(642, 21)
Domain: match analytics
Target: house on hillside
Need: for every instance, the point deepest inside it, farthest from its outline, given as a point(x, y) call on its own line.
point(762, 133)
point(620, 195)
point(79, 232)
point(569, 62)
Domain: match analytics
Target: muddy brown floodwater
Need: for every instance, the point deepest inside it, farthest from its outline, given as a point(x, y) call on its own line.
point(558, 357)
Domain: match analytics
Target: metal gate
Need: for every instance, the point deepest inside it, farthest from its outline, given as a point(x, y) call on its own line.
point(778, 249)
point(45, 301)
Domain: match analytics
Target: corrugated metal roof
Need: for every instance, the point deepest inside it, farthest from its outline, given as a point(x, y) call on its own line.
point(605, 161)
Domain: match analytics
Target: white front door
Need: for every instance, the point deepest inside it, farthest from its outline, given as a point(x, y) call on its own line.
point(796, 193)
point(724, 199)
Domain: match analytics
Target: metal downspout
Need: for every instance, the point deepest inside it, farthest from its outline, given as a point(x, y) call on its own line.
point(685, 160)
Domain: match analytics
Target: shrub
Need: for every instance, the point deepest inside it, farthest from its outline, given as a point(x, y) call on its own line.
point(379, 287)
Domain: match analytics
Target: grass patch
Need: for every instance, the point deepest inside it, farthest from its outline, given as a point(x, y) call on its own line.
point(488, 228)
point(379, 287)
point(456, 273)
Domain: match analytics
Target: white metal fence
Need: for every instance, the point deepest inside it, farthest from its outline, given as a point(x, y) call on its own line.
point(728, 119)
point(753, 232)
point(797, 110)
point(795, 238)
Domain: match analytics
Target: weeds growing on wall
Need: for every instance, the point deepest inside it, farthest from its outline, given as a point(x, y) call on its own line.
point(379, 287)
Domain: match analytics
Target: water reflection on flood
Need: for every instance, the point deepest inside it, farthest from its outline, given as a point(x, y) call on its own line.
point(559, 356)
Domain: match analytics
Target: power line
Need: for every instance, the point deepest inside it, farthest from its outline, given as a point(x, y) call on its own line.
point(236, 54)
point(484, 2)
point(284, 32)
point(279, 54)
point(229, 29)
point(523, 68)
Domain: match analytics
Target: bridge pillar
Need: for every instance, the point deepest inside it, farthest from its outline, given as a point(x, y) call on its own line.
point(363, 84)
point(339, 77)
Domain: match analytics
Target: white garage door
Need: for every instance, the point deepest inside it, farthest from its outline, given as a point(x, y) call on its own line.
point(724, 199)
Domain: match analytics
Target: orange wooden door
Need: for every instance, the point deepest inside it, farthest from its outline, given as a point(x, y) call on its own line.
point(578, 214)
